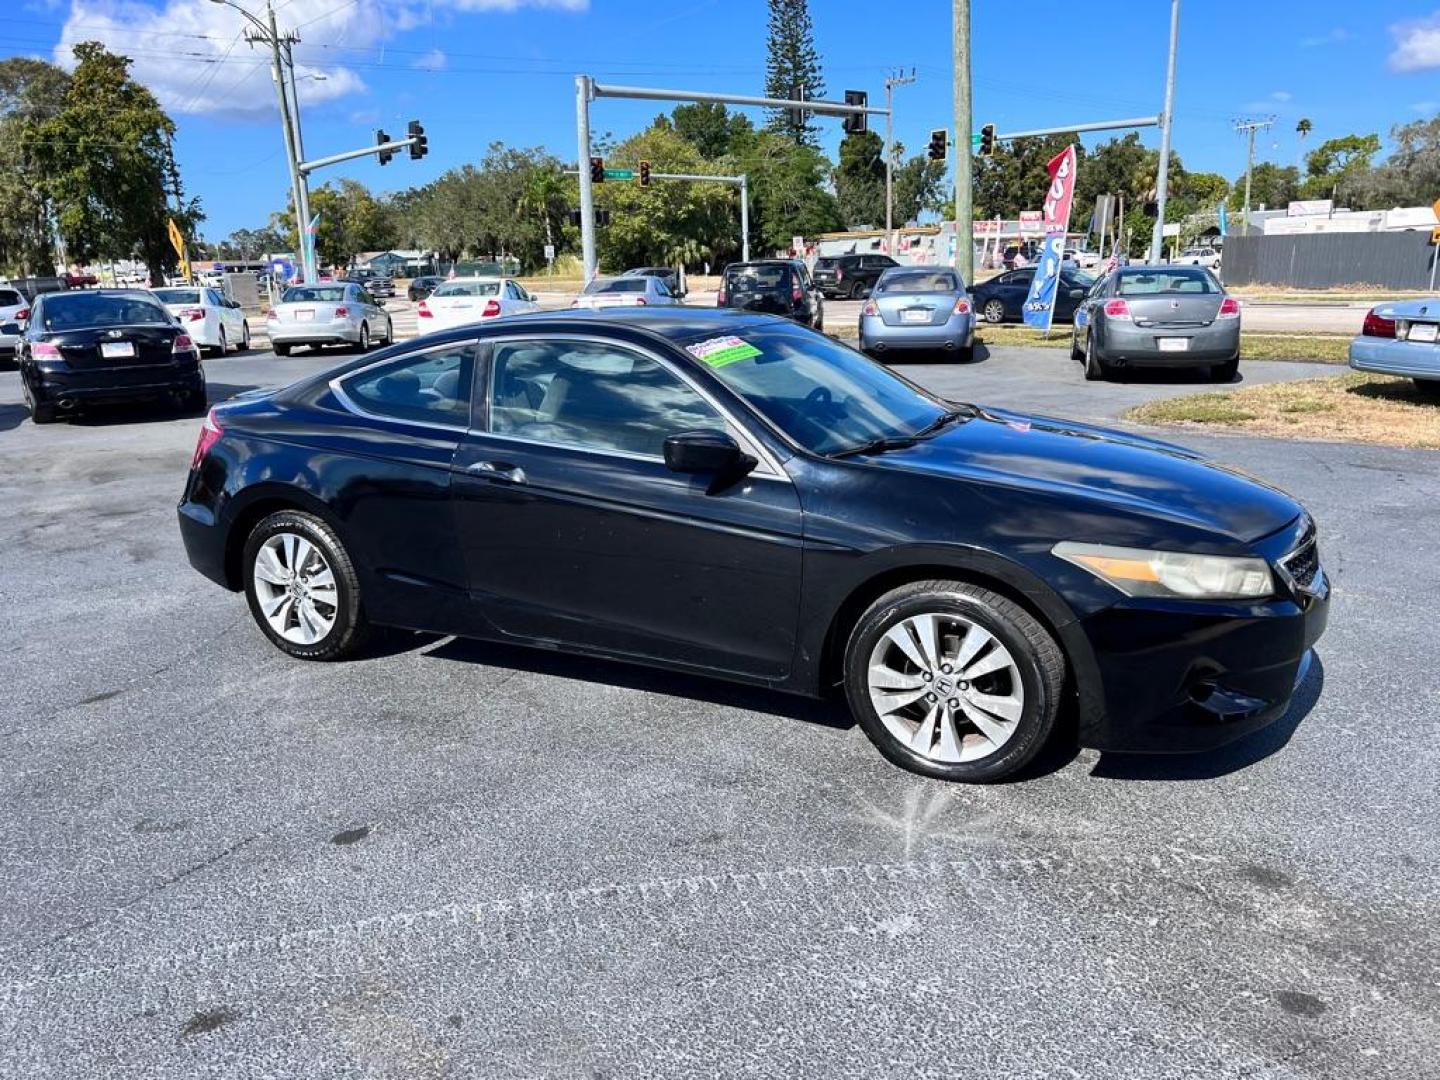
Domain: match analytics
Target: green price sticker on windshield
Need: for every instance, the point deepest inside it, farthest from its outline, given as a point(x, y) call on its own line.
point(718, 352)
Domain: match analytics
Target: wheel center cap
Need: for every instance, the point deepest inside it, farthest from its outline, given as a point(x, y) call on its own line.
point(943, 686)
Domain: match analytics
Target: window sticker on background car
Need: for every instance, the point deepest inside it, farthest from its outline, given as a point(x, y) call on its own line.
point(717, 352)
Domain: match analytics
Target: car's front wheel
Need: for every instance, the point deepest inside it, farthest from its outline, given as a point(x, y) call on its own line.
point(953, 680)
point(994, 311)
point(1428, 388)
point(302, 587)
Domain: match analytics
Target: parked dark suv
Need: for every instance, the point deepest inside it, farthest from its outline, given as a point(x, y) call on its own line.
point(776, 287)
point(852, 276)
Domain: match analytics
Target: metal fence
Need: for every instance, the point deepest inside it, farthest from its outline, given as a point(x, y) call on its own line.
point(1394, 260)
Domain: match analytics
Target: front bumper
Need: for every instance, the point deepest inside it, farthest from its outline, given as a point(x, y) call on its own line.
point(1389, 356)
point(1139, 345)
point(956, 333)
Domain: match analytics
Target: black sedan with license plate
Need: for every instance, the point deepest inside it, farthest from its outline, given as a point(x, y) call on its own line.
point(736, 496)
point(94, 346)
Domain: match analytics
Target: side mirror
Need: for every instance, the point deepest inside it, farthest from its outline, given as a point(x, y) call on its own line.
point(12, 329)
point(1077, 294)
point(705, 452)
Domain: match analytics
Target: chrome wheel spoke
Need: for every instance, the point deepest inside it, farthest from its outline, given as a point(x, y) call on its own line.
point(268, 568)
point(899, 634)
point(328, 597)
point(976, 638)
point(272, 605)
point(923, 626)
point(888, 703)
point(997, 659)
point(1008, 707)
point(884, 677)
point(295, 588)
point(925, 732)
point(321, 579)
point(987, 725)
point(303, 550)
point(949, 738)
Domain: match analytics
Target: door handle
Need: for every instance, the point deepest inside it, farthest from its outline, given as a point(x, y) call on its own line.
point(498, 470)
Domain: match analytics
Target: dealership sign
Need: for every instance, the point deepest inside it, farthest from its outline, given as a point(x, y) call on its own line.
point(1039, 307)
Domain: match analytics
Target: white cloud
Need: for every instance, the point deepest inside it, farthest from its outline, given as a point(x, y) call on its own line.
point(1331, 37)
point(1417, 44)
point(191, 55)
point(434, 60)
point(1281, 95)
point(1425, 108)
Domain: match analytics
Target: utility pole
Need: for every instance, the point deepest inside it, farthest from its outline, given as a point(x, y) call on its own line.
point(583, 93)
point(1162, 182)
point(890, 84)
point(964, 235)
point(307, 242)
point(1250, 127)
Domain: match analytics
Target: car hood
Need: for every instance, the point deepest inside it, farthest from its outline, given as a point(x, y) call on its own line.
point(1129, 472)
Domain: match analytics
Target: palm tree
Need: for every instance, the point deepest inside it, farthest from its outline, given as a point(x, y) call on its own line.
point(543, 196)
point(1302, 129)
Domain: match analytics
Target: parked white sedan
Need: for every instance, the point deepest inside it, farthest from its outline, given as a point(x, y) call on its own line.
point(213, 321)
point(625, 292)
point(1200, 256)
point(472, 299)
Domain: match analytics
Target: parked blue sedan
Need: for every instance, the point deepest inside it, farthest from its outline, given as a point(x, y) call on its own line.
point(1401, 339)
point(918, 307)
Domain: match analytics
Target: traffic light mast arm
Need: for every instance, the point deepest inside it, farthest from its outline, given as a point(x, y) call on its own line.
point(351, 155)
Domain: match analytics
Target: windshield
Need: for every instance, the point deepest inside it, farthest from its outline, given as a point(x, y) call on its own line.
point(918, 281)
point(312, 293)
point(467, 288)
point(619, 285)
point(73, 311)
point(1178, 280)
point(740, 279)
point(178, 296)
point(824, 395)
point(1080, 278)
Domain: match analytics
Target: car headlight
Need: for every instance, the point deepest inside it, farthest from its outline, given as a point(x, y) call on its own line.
point(1173, 574)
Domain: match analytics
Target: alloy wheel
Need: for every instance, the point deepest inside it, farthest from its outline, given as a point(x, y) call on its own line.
point(296, 588)
point(945, 687)
point(994, 311)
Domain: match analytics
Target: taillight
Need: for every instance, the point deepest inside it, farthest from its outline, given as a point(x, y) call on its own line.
point(796, 295)
point(209, 436)
point(1117, 309)
point(182, 344)
point(720, 298)
point(193, 314)
point(44, 350)
point(1377, 325)
point(22, 314)
point(839, 274)
point(341, 312)
point(1229, 308)
point(639, 301)
point(962, 307)
point(492, 308)
point(870, 308)
point(423, 311)
point(272, 314)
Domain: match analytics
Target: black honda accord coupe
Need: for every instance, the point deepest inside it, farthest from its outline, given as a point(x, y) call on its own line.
point(738, 496)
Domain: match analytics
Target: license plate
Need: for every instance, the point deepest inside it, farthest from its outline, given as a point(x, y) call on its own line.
point(1421, 331)
point(915, 316)
point(114, 349)
point(1173, 344)
point(305, 316)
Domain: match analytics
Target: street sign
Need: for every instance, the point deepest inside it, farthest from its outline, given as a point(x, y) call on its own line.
point(1436, 207)
point(176, 240)
point(549, 252)
point(975, 141)
point(619, 174)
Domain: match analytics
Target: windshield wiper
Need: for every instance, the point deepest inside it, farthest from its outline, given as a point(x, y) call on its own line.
point(900, 442)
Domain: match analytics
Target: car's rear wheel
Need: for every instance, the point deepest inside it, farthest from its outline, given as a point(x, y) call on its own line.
point(223, 346)
point(302, 587)
point(282, 350)
point(244, 337)
point(1226, 372)
point(954, 681)
point(1095, 368)
point(42, 413)
point(1428, 388)
point(994, 311)
point(364, 343)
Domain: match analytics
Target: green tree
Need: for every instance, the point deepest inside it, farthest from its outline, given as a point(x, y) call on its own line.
point(107, 163)
point(920, 189)
point(1016, 177)
point(710, 127)
point(792, 62)
point(1336, 165)
point(544, 196)
point(860, 180)
point(1410, 176)
point(1271, 185)
point(31, 92)
point(787, 192)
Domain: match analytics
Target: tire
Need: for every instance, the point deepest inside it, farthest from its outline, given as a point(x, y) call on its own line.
point(223, 347)
point(363, 345)
point(42, 414)
point(281, 350)
point(347, 625)
point(965, 354)
point(1076, 353)
point(1095, 368)
point(1428, 388)
point(389, 332)
point(245, 336)
point(1026, 675)
point(1226, 372)
point(994, 311)
point(193, 402)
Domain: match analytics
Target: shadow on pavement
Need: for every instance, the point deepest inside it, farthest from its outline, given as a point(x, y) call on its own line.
point(827, 713)
point(1227, 759)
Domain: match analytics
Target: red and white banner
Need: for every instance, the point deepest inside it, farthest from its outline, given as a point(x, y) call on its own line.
point(1056, 210)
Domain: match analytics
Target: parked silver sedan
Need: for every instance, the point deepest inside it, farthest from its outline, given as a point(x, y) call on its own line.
point(918, 307)
point(637, 291)
point(1158, 316)
point(328, 313)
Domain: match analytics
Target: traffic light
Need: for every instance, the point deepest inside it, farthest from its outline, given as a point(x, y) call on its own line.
point(939, 146)
point(856, 123)
point(421, 146)
point(987, 140)
point(575, 218)
point(380, 140)
point(597, 170)
point(602, 216)
point(795, 117)
point(644, 174)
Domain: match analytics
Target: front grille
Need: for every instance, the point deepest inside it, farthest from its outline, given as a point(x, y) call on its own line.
point(1303, 564)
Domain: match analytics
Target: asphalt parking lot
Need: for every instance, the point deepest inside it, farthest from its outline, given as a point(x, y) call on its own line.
point(452, 859)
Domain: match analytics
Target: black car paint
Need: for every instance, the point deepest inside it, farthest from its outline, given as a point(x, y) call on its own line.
point(808, 309)
point(1012, 287)
point(850, 275)
point(81, 375)
point(757, 581)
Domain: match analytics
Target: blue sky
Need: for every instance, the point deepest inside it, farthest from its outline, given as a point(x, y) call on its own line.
point(480, 70)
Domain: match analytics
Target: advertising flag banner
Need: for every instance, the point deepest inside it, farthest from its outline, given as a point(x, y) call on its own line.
point(1039, 307)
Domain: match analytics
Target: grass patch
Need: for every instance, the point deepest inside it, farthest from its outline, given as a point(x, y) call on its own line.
point(1310, 348)
point(1361, 408)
